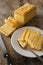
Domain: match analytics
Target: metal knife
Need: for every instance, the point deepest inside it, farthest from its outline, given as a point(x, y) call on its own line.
point(39, 57)
point(5, 53)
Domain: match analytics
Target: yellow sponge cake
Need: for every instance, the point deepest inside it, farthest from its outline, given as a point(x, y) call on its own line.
point(24, 34)
point(13, 22)
point(31, 38)
point(25, 13)
point(22, 43)
point(7, 29)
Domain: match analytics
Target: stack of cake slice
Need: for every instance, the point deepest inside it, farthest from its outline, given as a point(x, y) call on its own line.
point(31, 38)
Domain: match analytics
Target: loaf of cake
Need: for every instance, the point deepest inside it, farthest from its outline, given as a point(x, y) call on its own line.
point(25, 13)
point(21, 16)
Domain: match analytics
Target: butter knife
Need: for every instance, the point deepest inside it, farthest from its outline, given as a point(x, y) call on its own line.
point(39, 57)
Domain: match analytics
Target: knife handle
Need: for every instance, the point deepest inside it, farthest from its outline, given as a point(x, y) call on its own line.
point(8, 59)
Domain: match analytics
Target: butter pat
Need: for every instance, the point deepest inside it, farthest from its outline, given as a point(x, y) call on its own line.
point(25, 13)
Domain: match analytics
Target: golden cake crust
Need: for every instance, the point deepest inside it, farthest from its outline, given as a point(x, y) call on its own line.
point(25, 8)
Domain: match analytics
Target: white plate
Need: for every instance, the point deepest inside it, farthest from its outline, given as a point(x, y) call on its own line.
point(17, 47)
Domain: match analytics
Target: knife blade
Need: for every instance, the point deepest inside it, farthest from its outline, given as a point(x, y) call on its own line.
point(5, 53)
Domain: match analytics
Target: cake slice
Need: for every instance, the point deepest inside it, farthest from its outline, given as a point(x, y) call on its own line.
point(24, 34)
point(13, 22)
point(25, 13)
point(38, 43)
point(35, 40)
point(22, 43)
point(7, 29)
point(33, 34)
point(27, 34)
